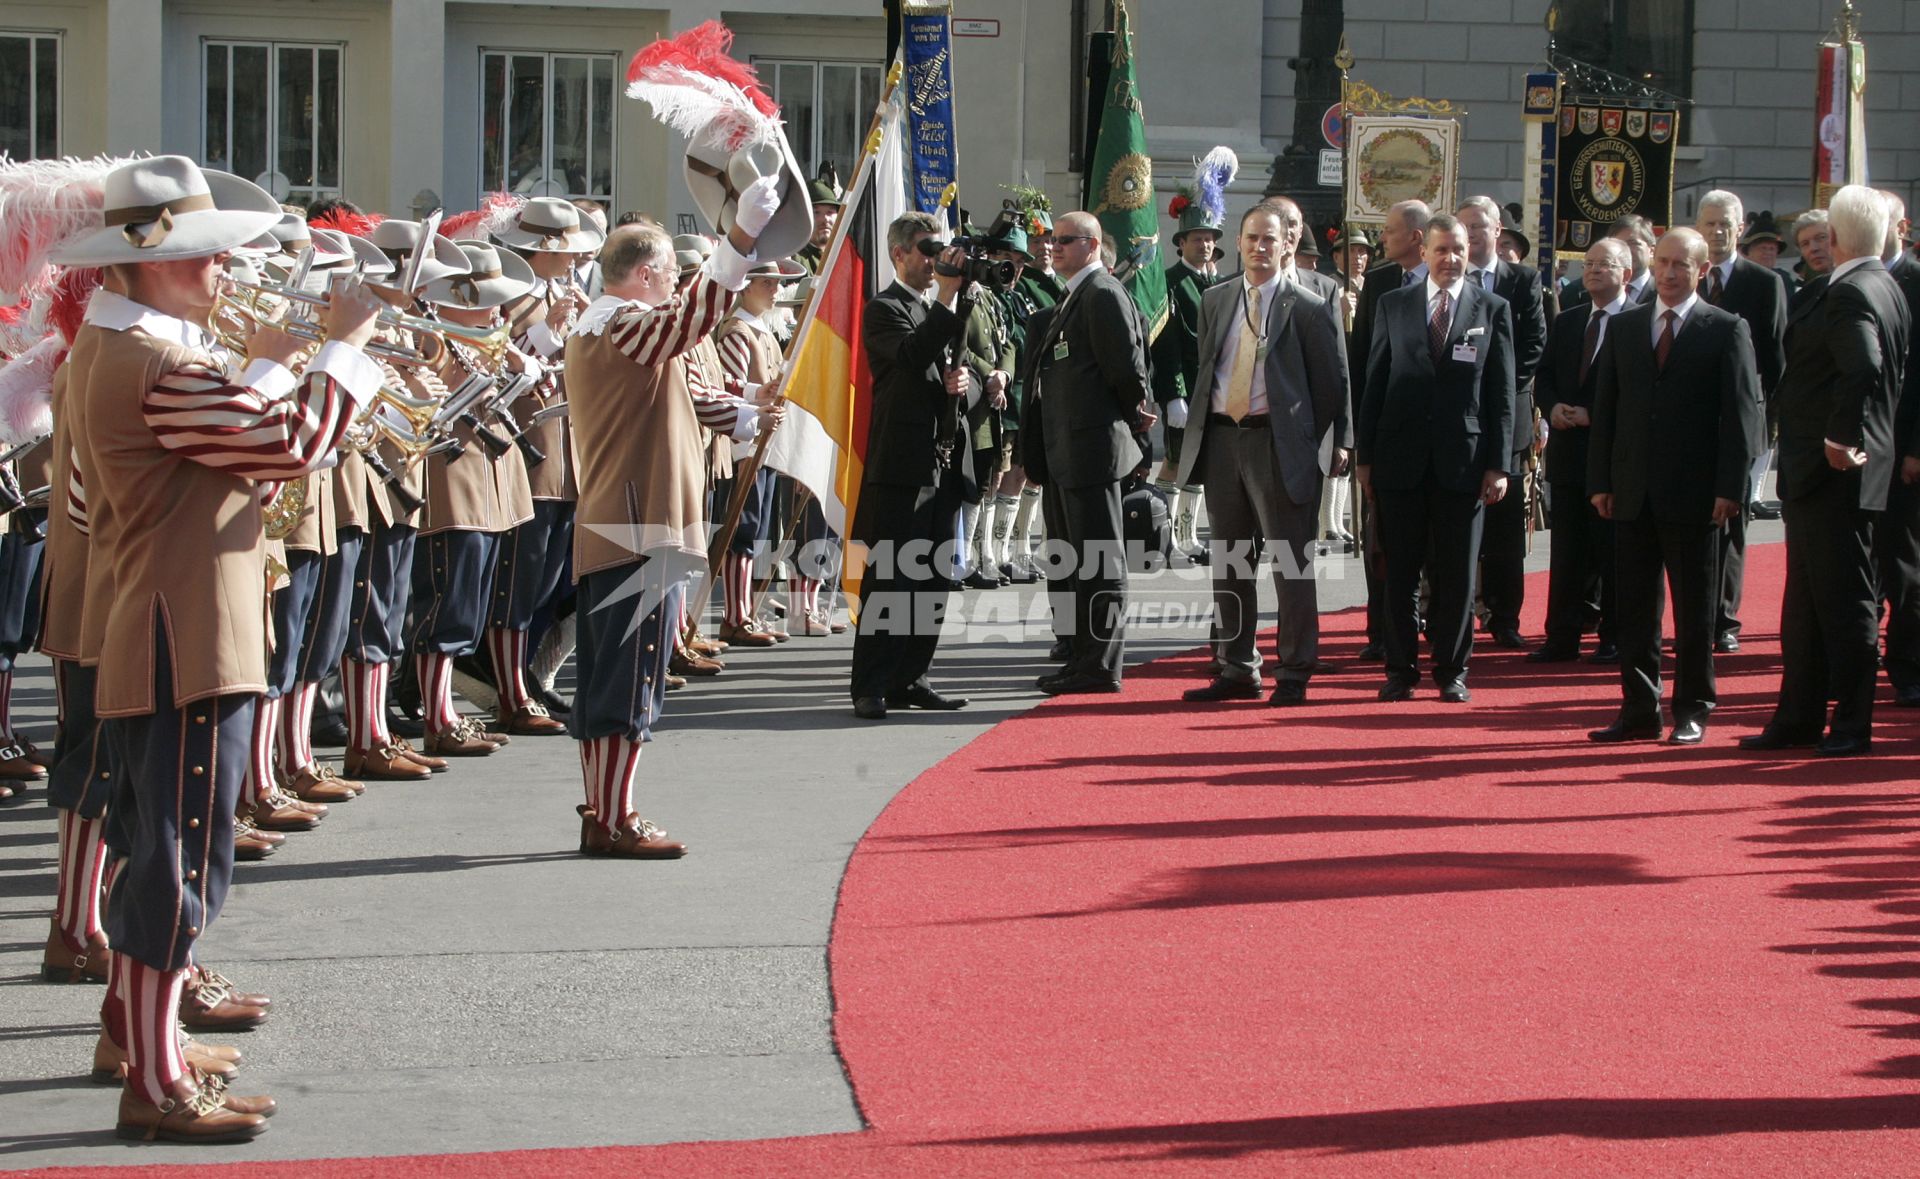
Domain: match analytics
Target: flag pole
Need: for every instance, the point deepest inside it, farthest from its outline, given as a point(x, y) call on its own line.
point(863, 173)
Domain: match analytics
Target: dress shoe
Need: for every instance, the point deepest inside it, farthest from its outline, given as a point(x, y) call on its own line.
point(61, 963)
point(1455, 692)
point(110, 1061)
point(1200, 557)
point(674, 682)
point(201, 1117)
point(252, 844)
point(1605, 653)
point(8, 793)
point(634, 839)
point(1022, 573)
point(555, 704)
point(1219, 689)
point(1372, 653)
point(981, 579)
point(404, 724)
point(208, 1007)
point(1396, 690)
point(921, 696)
point(308, 784)
point(1287, 693)
point(1761, 509)
point(1907, 697)
point(437, 765)
point(1690, 731)
point(1726, 643)
point(389, 763)
point(1623, 729)
point(1076, 683)
point(531, 720)
point(330, 732)
point(1770, 739)
point(278, 811)
point(686, 663)
point(260, 1107)
point(459, 740)
point(1838, 746)
point(747, 635)
point(1551, 654)
point(811, 627)
point(33, 753)
point(1509, 638)
point(16, 766)
point(707, 647)
point(870, 708)
point(1061, 651)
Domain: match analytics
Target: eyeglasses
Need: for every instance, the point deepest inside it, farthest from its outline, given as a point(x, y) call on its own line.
point(1070, 238)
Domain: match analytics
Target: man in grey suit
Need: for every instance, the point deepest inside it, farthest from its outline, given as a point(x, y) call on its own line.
point(1090, 395)
point(1271, 385)
point(1434, 446)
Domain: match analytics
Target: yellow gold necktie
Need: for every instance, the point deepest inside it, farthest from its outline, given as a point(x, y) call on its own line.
point(1245, 356)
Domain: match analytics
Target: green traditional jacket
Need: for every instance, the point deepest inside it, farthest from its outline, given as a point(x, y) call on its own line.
point(1176, 352)
point(1046, 290)
point(989, 349)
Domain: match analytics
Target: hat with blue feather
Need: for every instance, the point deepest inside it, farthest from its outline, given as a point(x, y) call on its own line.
point(1201, 203)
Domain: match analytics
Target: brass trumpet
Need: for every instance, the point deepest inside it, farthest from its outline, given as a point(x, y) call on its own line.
point(482, 338)
point(242, 302)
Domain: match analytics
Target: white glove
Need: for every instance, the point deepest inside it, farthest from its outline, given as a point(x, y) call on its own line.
point(758, 205)
point(1177, 414)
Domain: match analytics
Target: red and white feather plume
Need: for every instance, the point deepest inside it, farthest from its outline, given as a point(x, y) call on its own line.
point(44, 203)
point(26, 392)
point(699, 90)
point(498, 212)
point(342, 221)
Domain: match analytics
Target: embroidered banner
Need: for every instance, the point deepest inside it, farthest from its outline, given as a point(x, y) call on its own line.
point(1611, 159)
point(925, 38)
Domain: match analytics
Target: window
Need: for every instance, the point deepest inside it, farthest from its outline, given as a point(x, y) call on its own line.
point(827, 106)
point(29, 95)
point(272, 114)
point(1650, 41)
point(546, 124)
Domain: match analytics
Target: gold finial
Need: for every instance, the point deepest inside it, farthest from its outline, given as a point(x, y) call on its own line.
point(1846, 23)
point(1343, 57)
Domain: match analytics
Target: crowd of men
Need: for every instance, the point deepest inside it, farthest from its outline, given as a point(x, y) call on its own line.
point(265, 449)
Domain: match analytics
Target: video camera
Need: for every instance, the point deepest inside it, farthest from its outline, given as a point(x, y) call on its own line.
point(980, 266)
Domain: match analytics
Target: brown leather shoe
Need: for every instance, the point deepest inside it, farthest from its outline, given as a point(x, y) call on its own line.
point(277, 811)
point(16, 766)
point(389, 763)
point(209, 1003)
point(533, 721)
point(686, 663)
point(6, 792)
point(250, 843)
point(200, 1117)
point(462, 740)
point(320, 784)
point(636, 838)
point(747, 636)
point(110, 1060)
point(61, 963)
point(705, 646)
point(675, 683)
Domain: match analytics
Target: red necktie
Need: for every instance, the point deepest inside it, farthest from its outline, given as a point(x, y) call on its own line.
point(1669, 317)
point(1438, 325)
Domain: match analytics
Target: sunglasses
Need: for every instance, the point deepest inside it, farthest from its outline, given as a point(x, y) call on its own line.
point(1069, 239)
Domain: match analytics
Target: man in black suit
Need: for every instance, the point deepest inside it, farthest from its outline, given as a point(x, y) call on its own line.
point(1677, 419)
point(1896, 539)
point(1503, 548)
point(1090, 395)
point(1403, 245)
point(1846, 353)
point(1270, 387)
point(1581, 577)
point(1636, 233)
point(1756, 294)
point(918, 473)
point(1436, 427)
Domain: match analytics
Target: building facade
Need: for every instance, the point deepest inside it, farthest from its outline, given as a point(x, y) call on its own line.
point(401, 105)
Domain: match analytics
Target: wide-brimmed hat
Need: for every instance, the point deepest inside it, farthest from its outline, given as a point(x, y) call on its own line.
point(794, 294)
point(822, 193)
point(1015, 239)
point(690, 251)
point(781, 268)
point(166, 208)
point(397, 239)
point(1347, 239)
point(1308, 247)
point(717, 178)
point(344, 249)
point(1522, 240)
point(1763, 229)
point(494, 278)
point(551, 225)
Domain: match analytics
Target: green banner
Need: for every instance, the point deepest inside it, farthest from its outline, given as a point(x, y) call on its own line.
point(1120, 188)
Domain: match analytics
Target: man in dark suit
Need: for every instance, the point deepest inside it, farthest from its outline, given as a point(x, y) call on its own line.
point(1271, 385)
point(1503, 547)
point(1090, 395)
point(1403, 245)
point(1677, 419)
point(1436, 424)
point(1846, 353)
point(1754, 293)
point(1896, 539)
point(1636, 233)
point(918, 473)
point(1581, 578)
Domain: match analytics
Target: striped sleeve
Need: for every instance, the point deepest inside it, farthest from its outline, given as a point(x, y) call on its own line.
point(652, 335)
point(198, 413)
point(717, 409)
point(76, 497)
point(736, 355)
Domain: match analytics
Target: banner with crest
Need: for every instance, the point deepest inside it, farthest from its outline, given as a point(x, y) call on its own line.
point(1612, 159)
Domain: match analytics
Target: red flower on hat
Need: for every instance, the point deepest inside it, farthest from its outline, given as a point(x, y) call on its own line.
point(1179, 205)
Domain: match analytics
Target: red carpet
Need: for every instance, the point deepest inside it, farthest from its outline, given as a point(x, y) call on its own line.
point(1359, 939)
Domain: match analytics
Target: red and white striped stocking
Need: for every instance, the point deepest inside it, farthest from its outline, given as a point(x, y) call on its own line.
point(509, 648)
point(83, 861)
point(436, 692)
point(154, 1060)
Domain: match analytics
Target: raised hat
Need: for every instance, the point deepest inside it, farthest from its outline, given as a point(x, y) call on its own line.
point(166, 208)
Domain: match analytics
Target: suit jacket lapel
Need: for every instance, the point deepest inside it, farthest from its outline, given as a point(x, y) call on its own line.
point(1279, 311)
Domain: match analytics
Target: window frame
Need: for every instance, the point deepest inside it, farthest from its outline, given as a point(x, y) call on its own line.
point(808, 155)
point(1620, 25)
point(315, 191)
point(616, 73)
point(59, 39)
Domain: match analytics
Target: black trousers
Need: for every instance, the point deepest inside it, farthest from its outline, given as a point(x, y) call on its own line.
point(1503, 553)
point(292, 608)
point(382, 586)
point(1687, 556)
point(172, 816)
point(627, 618)
point(1091, 526)
point(1580, 580)
point(452, 582)
point(1733, 568)
point(532, 560)
point(903, 595)
point(331, 612)
point(1896, 550)
point(1431, 529)
point(84, 770)
point(1830, 615)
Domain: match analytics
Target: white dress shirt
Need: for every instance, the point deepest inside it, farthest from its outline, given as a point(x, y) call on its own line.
point(1230, 348)
point(1681, 312)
